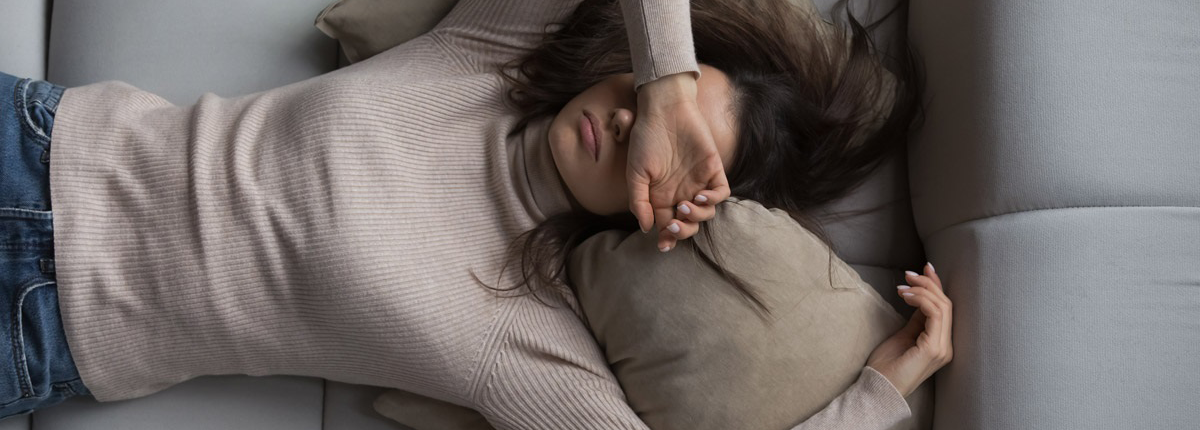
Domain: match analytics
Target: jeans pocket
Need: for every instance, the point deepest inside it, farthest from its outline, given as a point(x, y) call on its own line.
point(39, 118)
point(38, 370)
point(60, 393)
point(37, 101)
point(38, 345)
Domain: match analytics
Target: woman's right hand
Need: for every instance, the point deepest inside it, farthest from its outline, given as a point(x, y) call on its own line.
point(923, 346)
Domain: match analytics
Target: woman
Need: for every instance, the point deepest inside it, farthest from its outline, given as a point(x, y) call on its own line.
point(326, 228)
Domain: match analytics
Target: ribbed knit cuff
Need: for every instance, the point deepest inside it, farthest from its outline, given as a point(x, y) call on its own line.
point(660, 38)
point(891, 402)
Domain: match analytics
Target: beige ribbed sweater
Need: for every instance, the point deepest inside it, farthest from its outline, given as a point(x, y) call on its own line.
point(326, 228)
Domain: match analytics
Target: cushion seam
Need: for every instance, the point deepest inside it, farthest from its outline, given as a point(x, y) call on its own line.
point(925, 238)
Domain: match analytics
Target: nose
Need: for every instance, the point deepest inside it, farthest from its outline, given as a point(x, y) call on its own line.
point(622, 122)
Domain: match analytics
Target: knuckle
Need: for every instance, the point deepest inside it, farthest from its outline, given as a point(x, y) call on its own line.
point(941, 306)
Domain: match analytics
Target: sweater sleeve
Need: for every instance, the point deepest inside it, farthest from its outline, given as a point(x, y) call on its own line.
point(486, 33)
point(548, 373)
point(660, 38)
point(872, 402)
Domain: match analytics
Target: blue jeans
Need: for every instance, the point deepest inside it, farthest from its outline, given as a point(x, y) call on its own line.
point(36, 369)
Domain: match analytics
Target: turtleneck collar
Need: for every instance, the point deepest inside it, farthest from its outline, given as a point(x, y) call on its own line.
point(534, 173)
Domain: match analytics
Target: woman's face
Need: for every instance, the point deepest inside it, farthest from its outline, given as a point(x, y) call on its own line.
point(599, 185)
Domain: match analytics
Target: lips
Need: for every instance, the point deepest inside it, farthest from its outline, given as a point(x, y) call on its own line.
point(591, 132)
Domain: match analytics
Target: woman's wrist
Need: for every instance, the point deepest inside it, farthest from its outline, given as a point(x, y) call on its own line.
point(668, 89)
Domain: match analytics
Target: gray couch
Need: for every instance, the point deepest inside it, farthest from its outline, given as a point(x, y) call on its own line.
point(1055, 186)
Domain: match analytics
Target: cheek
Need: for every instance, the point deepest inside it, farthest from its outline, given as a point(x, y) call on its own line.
point(580, 181)
point(616, 189)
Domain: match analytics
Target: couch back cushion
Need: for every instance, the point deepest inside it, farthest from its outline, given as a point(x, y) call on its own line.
point(181, 50)
point(24, 32)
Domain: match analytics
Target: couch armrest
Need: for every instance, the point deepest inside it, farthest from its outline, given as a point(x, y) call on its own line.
point(24, 33)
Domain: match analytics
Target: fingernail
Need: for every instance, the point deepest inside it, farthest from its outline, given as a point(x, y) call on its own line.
point(683, 208)
point(673, 227)
point(906, 294)
point(644, 230)
point(665, 249)
point(930, 266)
point(903, 287)
point(700, 198)
point(911, 273)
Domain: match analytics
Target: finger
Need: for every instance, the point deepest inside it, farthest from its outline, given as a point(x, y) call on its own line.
point(929, 341)
point(685, 229)
point(717, 192)
point(948, 318)
point(663, 217)
point(935, 297)
point(718, 189)
point(712, 196)
point(936, 334)
point(692, 212)
point(924, 300)
point(666, 242)
point(914, 326)
point(922, 281)
point(639, 201)
point(933, 275)
point(947, 335)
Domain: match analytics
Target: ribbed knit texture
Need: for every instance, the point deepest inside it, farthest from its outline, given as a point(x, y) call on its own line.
point(328, 228)
point(662, 29)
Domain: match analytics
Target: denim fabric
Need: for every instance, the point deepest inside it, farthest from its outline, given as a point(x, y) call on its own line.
point(36, 368)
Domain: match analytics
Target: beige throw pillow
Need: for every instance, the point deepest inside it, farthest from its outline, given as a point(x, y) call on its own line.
point(364, 28)
point(691, 353)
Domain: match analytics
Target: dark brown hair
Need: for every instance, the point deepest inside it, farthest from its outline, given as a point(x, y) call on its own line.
point(811, 101)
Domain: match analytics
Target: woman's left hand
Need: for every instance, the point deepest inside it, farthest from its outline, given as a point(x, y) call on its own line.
point(672, 160)
point(920, 348)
